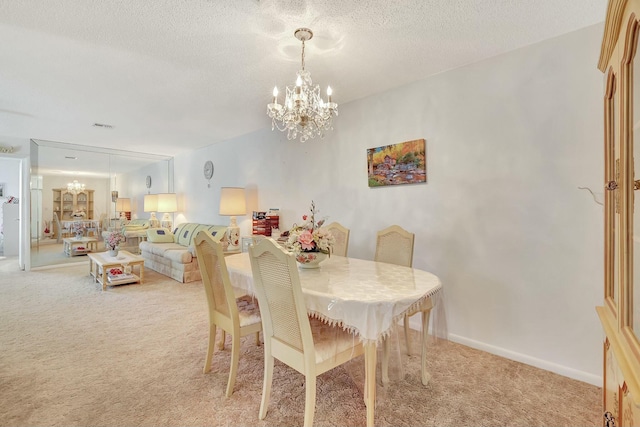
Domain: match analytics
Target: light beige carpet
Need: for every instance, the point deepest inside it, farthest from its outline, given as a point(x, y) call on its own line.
point(72, 355)
point(48, 252)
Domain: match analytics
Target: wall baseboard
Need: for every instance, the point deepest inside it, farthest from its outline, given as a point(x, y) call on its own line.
point(523, 358)
point(518, 357)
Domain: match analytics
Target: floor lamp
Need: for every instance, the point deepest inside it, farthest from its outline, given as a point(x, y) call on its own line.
point(232, 203)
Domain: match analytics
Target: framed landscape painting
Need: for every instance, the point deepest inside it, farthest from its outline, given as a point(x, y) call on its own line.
point(403, 163)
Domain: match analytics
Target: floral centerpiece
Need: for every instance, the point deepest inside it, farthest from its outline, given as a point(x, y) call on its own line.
point(113, 239)
point(308, 241)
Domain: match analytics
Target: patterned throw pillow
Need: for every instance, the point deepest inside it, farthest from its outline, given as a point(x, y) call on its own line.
point(160, 235)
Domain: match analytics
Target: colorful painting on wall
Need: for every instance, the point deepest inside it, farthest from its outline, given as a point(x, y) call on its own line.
point(403, 163)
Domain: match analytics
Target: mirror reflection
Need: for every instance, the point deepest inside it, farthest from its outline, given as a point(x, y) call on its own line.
point(80, 193)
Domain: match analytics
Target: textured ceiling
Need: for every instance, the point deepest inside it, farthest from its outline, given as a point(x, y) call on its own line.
point(174, 75)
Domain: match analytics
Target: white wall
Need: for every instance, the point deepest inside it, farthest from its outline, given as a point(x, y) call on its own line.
point(501, 220)
point(134, 186)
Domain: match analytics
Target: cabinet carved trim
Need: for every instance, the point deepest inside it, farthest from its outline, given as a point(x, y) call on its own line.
point(620, 312)
point(615, 12)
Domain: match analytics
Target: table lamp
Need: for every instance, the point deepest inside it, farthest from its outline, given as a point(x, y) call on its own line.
point(232, 203)
point(167, 203)
point(123, 205)
point(151, 205)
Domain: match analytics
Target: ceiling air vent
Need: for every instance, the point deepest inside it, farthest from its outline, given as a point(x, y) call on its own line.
point(102, 125)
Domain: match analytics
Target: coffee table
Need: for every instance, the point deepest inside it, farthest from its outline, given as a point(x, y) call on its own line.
point(101, 262)
point(71, 245)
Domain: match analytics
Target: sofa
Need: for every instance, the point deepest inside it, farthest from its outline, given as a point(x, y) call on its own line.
point(134, 232)
point(173, 253)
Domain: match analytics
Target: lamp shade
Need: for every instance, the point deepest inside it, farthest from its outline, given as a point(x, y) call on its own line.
point(123, 204)
point(150, 202)
point(232, 201)
point(167, 202)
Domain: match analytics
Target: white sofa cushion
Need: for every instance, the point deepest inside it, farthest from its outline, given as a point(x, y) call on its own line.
point(170, 251)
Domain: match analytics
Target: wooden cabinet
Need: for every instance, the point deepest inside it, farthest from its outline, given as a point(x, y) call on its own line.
point(620, 312)
point(66, 203)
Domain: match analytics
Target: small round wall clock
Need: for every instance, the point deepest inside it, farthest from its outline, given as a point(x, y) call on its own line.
point(208, 171)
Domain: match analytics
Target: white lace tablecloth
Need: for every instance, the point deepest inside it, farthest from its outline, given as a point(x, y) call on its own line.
point(365, 297)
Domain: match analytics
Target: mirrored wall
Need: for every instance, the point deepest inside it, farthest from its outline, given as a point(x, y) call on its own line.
point(72, 182)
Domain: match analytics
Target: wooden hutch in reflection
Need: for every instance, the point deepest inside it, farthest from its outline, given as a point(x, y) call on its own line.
point(67, 203)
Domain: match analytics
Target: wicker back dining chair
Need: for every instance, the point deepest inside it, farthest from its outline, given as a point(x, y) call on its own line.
point(309, 347)
point(394, 245)
point(237, 316)
point(341, 236)
point(62, 230)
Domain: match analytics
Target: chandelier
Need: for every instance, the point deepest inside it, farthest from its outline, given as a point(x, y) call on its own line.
point(75, 186)
point(304, 113)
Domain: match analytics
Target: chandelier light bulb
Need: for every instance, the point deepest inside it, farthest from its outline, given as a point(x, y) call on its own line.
point(75, 186)
point(303, 112)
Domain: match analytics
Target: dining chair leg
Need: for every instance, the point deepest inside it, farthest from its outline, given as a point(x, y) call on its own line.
point(266, 385)
point(310, 399)
point(406, 334)
point(210, 347)
point(426, 376)
point(223, 338)
point(235, 358)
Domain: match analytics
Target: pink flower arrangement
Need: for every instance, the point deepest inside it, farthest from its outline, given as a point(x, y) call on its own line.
point(309, 236)
point(113, 239)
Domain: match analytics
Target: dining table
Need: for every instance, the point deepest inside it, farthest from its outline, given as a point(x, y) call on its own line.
point(86, 224)
point(364, 297)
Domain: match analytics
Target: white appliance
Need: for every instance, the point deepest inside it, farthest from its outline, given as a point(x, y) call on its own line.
point(11, 228)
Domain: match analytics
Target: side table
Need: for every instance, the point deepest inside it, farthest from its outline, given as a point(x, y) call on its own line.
point(71, 245)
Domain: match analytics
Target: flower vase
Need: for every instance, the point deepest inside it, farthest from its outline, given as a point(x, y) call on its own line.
point(79, 236)
point(113, 252)
point(310, 259)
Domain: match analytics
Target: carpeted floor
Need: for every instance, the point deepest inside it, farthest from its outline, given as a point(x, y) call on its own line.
point(72, 355)
point(48, 252)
